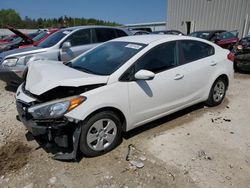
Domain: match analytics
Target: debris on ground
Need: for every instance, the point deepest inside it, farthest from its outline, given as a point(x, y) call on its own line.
point(202, 155)
point(172, 175)
point(132, 156)
point(130, 149)
point(227, 120)
point(52, 180)
point(137, 163)
point(220, 120)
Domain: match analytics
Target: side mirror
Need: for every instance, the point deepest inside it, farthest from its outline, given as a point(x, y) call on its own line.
point(66, 45)
point(144, 75)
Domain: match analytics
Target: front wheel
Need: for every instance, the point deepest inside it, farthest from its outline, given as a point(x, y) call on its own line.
point(217, 92)
point(100, 134)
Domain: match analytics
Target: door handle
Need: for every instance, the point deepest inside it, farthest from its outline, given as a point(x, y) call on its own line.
point(213, 63)
point(178, 76)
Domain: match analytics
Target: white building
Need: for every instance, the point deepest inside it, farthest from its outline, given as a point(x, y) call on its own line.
point(193, 15)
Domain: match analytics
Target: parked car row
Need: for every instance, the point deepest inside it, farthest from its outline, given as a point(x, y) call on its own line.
point(62, 45)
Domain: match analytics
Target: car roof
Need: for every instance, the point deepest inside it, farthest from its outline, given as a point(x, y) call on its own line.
point(209, 31)
point(147, 39)
point(87, 26)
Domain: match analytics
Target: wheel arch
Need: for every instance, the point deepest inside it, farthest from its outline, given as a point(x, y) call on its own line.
point(225, 77)
point(118, 112)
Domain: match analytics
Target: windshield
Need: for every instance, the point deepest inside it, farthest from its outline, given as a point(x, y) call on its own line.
point(203, 35)
point(107, 58)
point(40, 36)
point(54, 39)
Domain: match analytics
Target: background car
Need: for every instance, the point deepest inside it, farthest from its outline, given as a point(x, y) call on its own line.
point(118, 86)
point(225, 39)
point(8, 38)
point(168, 32)
point(139, 32)
point(242, 54)
point(62, 45)
point(20, 40)
point(39, 38)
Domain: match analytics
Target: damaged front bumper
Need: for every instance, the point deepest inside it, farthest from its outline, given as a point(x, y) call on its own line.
point(61, 137)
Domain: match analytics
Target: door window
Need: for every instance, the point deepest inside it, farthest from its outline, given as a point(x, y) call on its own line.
point(227, 35)
point(105, 34)
point(160, 58)
point(193, 50)
point(81, 37)
point(120, 33)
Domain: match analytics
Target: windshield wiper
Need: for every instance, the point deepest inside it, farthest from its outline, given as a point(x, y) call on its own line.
point(82, 69)
point(69, 63)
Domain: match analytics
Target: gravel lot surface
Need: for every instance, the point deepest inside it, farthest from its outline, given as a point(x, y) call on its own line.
point(197, 147)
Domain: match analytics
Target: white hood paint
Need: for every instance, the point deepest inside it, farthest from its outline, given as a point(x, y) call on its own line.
point(46, 75)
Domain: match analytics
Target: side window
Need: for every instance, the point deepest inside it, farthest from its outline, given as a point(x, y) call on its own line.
point(80, 37)
point(120, 33)
point(227, 35)
point(105, 34)
point(193, 50)
point(160, 58)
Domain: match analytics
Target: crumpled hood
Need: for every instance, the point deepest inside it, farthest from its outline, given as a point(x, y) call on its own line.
point(46, 75)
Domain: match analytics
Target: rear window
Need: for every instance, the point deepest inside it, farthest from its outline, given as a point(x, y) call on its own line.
point(194, 50)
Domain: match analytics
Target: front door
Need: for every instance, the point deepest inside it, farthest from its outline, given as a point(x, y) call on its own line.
point(150, 99)
point(80, 41)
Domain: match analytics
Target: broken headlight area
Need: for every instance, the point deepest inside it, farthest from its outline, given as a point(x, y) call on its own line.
point(47, 124)
point(55, 109)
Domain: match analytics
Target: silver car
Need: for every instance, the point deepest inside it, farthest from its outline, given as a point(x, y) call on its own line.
point(63, 45)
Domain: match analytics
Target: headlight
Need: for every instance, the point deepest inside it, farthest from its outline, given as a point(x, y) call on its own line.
point(55, 109)
point(11, 62)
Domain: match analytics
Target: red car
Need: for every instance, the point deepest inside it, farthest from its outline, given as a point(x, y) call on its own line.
point(8, 39)
point(225, 39)
point(39, 38)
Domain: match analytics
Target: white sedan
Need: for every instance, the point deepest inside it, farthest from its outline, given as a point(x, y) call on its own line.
point(87, 103)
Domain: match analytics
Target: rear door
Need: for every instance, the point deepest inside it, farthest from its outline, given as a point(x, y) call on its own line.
point(81, 41)
point(198, 62)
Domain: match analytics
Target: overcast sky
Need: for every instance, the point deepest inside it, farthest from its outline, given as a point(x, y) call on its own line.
point(124, 12)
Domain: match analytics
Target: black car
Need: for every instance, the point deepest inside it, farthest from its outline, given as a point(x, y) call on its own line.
point(242, 54)
point(168, 32)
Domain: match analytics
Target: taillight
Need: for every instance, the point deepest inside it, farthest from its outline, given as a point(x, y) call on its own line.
point(230, 57)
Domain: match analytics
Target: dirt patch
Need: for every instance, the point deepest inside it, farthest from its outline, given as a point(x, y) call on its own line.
point(13, 156)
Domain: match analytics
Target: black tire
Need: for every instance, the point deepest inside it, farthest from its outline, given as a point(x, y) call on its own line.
point(213, 98)
point(88, 128)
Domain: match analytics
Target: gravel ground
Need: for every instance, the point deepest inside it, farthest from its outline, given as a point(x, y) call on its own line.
point(197, 147)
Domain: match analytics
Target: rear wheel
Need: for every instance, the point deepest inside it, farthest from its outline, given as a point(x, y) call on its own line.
point(100, 134)
point(217, 92)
